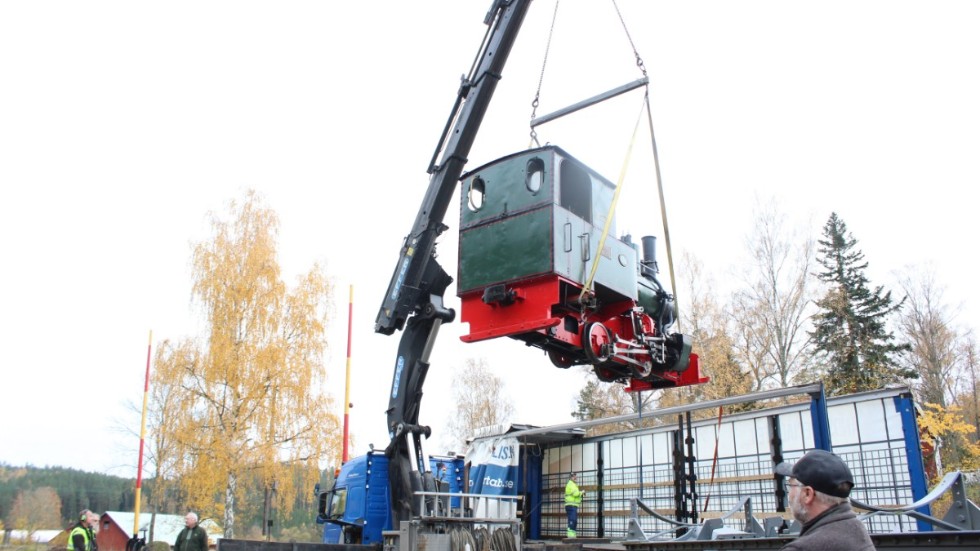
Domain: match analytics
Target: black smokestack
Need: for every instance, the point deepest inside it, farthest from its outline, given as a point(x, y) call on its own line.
point(649, 264)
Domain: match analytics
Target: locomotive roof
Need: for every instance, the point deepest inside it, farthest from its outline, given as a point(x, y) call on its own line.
point(546, 148)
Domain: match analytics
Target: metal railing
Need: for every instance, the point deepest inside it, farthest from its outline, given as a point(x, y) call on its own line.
point(962, 515)
point(440, 505)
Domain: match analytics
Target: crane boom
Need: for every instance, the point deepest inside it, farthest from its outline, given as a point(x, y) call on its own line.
point(414, 298)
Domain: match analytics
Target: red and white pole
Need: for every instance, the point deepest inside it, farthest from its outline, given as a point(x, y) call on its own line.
point(139, 468)
point(350, 317)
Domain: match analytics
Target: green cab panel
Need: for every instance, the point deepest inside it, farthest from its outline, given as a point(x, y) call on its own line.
point(536, 212)
point(509, 249)
point(504, 187)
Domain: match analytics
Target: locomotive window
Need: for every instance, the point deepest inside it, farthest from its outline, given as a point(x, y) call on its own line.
point(478, 190)
point(535, 175)
point(576, 191)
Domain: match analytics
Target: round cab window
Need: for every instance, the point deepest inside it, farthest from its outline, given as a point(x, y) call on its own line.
point(476, 195)
point(535, 175)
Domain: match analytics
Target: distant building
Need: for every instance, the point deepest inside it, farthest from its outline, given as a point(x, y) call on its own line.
point(116, 529)
point(60, 541)
point(21, 536)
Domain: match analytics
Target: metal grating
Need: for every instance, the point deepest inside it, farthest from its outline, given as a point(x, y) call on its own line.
point(640, 465)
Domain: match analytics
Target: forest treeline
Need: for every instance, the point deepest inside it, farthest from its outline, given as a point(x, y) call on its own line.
point(74, 490)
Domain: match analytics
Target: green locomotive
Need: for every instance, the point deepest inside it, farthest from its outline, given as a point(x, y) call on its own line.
point(530, 268)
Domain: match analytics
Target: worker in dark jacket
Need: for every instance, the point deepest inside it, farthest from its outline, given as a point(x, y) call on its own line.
point(192, 537)
point(819, 485)
point(82, 535)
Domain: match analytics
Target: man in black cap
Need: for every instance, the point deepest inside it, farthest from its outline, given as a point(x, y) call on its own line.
point(819, 485)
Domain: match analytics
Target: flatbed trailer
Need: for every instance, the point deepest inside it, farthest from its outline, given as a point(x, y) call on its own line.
point(921, 541)
point(638, 496)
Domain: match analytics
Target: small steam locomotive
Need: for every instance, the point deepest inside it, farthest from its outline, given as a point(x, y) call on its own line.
point(531, 268)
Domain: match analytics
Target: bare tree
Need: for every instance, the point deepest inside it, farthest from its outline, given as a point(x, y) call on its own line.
point(967, 397)
point(161, 490)
point(751, 339)
point(598, 400)
point(770, 313)
point(480, 401)
point(926, 324)
point(705, 319)
point(163, 418)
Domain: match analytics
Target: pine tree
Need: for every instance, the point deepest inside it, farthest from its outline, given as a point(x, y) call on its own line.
point(850, 331)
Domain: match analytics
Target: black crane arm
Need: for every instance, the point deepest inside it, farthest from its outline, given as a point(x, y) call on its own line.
point(414, 299)
point(407, 289)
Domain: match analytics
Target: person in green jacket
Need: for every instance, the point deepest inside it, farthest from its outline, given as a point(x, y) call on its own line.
point(82, 535)
point(573, 499)
point(192, 537)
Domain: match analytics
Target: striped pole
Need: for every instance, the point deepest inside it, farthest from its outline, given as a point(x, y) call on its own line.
point(350, 317)
point(139, 468)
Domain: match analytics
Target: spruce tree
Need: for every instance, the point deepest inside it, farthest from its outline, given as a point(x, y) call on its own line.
point(850, 331)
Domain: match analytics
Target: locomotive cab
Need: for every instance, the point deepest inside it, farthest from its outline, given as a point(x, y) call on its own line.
point(530, 230)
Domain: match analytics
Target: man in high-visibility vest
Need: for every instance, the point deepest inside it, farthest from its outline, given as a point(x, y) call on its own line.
point(573, 499)
point(82, 535)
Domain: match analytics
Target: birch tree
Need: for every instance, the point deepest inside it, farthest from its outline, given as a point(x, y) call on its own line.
point(480, 401)
point(163, 418)
point(926, 324)
point(249, 395)
point(770, 313)
point(968, 397)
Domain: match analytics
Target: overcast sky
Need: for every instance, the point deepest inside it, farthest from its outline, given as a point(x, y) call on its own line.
point(123, 124)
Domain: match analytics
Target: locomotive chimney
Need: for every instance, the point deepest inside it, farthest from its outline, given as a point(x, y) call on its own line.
point(649, 263)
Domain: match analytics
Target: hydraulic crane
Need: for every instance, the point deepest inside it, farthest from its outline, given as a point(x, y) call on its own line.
point(527, 269)
point(414, 299)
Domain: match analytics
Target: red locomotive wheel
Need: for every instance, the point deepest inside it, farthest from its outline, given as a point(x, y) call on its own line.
point(597, 342)
point(560, 360)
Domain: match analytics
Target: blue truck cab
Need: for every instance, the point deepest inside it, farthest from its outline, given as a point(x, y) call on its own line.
point(358, 507)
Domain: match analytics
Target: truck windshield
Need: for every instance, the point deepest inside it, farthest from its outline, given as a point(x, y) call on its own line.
point(338, 504)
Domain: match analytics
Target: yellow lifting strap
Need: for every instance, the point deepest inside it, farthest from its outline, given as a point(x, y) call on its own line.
point(612, 206)
point(535, 121)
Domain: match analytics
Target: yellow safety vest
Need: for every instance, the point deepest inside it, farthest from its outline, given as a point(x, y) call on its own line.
point(71, 537)
point(573, 496)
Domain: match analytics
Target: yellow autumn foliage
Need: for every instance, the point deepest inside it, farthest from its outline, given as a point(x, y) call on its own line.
point(245, 404)
point(960, 451)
